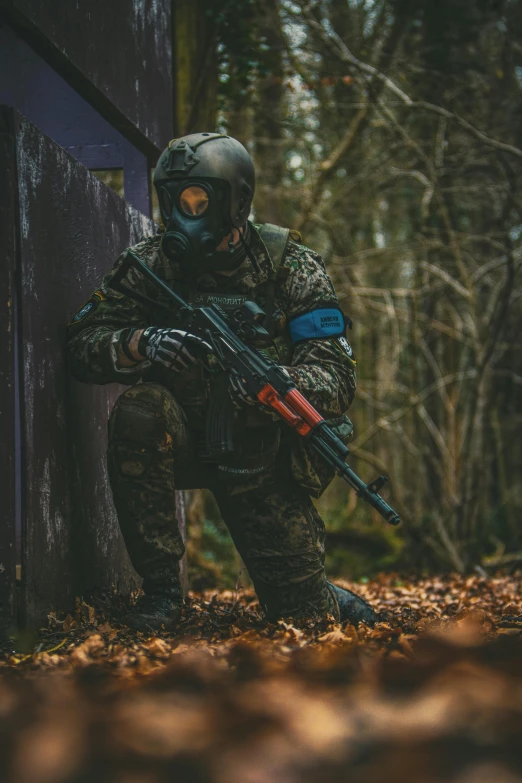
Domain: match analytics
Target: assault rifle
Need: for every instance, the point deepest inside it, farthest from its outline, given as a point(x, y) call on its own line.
point(236, 342)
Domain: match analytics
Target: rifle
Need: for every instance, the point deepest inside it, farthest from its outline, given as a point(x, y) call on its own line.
point(236, 342)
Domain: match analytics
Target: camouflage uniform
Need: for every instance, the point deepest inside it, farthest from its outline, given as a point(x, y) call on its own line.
point(156, 428)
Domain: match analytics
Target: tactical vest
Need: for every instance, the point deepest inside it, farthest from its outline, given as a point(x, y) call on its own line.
point(257, 438)
point(191, 388)
point(275, 240)
point(260, 436)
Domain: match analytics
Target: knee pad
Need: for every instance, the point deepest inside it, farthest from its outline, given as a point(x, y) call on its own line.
point(147, 430)
point(147, 415)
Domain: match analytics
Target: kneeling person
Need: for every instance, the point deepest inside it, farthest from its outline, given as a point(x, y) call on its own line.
point(211, 253)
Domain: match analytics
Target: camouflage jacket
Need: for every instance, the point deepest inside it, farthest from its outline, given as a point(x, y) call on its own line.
point(323, 370)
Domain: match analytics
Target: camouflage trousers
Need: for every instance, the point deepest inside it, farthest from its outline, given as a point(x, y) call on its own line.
point(272, 521)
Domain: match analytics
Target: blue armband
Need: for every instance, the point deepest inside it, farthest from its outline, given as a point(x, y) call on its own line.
point(324, 322)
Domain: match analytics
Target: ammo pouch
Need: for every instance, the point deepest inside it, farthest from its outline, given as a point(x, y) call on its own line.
point(240, 443)
point(255, 449)
point(308, 468)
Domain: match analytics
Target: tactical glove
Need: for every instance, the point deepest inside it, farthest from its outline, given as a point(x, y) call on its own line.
point(173, 348)
point(239, 394)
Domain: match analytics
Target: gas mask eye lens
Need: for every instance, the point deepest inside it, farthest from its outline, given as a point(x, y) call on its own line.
point(194, 201)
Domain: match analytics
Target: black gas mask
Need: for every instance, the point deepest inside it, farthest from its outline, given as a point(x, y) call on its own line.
point(196, 215)
point(204, 191)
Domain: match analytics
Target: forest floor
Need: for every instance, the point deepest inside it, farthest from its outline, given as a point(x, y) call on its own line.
point(432, 693)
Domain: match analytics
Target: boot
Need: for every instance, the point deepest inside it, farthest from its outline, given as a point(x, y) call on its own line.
point(353, 608)
point(159, 609)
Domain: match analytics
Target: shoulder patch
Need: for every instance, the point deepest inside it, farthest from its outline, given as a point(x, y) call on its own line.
point(345, 345)
point(342, 344)
point(89, 306)
point(84, 311)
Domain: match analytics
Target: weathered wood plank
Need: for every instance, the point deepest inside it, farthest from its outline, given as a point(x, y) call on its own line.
point(8, 369)
point(71, 229)
point(117, 55)
point(50, 103)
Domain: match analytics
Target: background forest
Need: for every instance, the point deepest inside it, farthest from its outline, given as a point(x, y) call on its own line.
point(387, 132)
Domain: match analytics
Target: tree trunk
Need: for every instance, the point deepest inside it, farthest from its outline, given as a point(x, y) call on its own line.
point(195, 68)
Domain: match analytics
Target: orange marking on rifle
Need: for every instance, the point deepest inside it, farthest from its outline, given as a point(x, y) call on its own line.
point(303, 408)
point(268, 396)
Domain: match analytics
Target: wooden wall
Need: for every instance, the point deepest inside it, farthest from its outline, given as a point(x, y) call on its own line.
point(8, 370)
point(117, 54)
point(63, 230)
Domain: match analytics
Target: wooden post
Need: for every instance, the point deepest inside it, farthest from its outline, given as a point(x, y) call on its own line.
point(63, 228)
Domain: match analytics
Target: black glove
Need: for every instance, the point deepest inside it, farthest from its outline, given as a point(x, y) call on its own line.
point(238, 393)
point(173, 348)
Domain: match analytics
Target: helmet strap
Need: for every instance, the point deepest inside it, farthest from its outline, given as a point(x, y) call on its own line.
point(248, 251)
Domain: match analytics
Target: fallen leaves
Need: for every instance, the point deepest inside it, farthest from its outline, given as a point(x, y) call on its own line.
point(432, 693)
point(157, 647)
point(87, 652)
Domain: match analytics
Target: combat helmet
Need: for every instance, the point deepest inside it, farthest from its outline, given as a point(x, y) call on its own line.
point(205, 184)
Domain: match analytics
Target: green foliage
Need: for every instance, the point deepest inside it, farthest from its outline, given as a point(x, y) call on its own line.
point(358, 543)
point(217, 547)
point(211, 555)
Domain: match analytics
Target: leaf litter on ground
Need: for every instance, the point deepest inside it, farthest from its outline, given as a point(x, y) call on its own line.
point(432, 693)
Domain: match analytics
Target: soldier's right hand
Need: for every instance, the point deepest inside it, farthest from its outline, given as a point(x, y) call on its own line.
point(238, 392)
point(173, 348)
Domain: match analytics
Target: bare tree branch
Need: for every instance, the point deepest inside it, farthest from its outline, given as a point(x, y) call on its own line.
point(342, 50)
point(358, 122)
point(443, 275)
point(328, 166)
point(332, 39)
point(385, 422)
point(430, 323)
point(423, 179)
